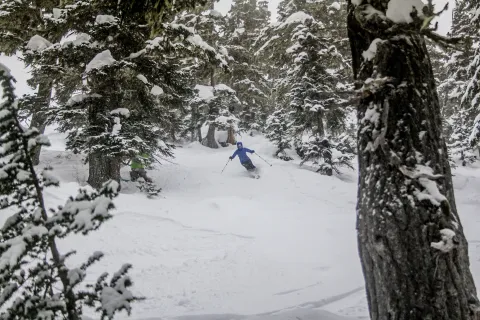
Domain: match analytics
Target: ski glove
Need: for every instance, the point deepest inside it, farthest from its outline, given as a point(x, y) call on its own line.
point(231, 158)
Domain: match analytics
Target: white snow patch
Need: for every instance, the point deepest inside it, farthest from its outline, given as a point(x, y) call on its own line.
point(142, 78)
point(224, 87)
point(204, 92)
point(357, 2)
point(372, 50)
point(121, 111)
point(297, 17)
point(399, 10)
point(156, 90)
point(446, 244)
point(336, 6)
point(77, 98)
point(101, 60)
point(104, 18)
point(38, 43)
point(198, 41)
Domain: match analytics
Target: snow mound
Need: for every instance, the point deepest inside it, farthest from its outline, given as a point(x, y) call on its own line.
point(38, 43)
point(101, 60)
point(204, 92)
point(81, 38)
point(336, 6)
point(102, 19)
point(142, 78)
point(121, 111)
point(224, 87)
point(399, 10)
point(77, 98)
point(156, 90)
point(372, 50)
point(297, 17)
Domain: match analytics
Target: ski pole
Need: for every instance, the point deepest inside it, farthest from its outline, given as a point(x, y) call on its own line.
point(264, 160)
point(225, 166)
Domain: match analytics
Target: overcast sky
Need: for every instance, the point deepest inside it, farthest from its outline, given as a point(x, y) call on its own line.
point(21, 74)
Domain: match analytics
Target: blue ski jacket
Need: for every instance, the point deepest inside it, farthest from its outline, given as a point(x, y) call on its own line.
point(242, 154)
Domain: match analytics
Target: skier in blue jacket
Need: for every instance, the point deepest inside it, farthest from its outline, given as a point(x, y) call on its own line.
point(241, 152)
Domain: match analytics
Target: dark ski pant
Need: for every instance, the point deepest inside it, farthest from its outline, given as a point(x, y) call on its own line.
point(248, 165)
point(139, 173)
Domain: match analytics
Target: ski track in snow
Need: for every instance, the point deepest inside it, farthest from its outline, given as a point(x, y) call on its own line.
point(225, 246)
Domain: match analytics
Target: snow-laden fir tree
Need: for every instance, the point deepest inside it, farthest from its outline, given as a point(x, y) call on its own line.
point(278, 128)
point(321, 154)
point(458, 140)
point(471, 97)
point(247, 74)
point(313, 81)
point(213, 107)
point(411, 242)
point(35, 282)
point(455, 83)
point(31, 16)
point(119, 93)
point(209, 24)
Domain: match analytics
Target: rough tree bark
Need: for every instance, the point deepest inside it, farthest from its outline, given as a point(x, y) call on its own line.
point(411, 243)
point(102, 168)
point(39, 117)
point(209, 140)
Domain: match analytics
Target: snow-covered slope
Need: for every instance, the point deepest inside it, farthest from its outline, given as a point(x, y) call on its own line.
point(281, 247)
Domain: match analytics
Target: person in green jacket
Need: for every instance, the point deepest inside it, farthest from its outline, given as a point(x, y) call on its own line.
point(137, 167)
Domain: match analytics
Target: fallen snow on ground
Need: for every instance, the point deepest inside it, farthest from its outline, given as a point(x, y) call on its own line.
point(225, 246)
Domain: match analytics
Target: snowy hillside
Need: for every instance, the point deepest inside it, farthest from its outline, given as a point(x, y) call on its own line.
point(281, 247)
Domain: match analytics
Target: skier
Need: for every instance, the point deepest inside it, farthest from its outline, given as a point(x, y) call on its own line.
point(138, 169)
point(242, 155)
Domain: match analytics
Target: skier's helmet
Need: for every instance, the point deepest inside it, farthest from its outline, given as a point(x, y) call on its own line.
point(239, 145)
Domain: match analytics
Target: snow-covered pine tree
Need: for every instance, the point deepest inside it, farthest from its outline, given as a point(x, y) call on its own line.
point(31, 15)
point(119, 93)
point(209, 24)
point(471, 97)
point(35, 282)
point(320, 153)
point(277, 130)
point(314, 71)
point(412, 247)
point(247, 73)
point(213, 107)
point(458, 141)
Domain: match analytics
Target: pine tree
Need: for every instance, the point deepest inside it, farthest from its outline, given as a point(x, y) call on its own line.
point(32, 16)
point(119, 93)
point(47, 289)
point(458, 141)
point(313, 78)
point(277, 130)
point(412, 247)
point(320, 152)
point(471, 98)
point(213, 107)
point(247, 75)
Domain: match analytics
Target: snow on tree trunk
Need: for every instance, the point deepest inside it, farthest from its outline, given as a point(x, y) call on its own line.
point(102, 168)
point(39, 117)
point(231, 135)
point(411, 243)
point(210, 140)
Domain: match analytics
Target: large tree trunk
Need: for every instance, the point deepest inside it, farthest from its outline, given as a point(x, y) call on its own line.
point(102, 168)
point(210, 140)
point(39, 117)
point(411, 243)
